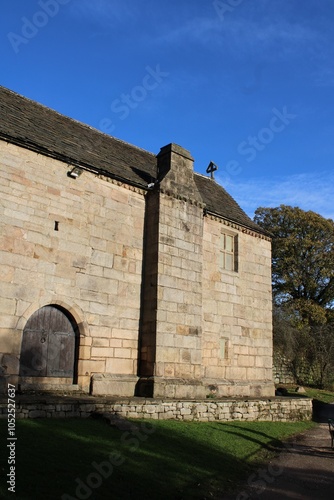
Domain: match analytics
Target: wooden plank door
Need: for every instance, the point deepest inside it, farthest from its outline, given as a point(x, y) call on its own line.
point(48, 345)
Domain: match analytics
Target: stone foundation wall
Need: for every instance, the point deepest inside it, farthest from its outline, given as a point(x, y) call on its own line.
point(274, 410)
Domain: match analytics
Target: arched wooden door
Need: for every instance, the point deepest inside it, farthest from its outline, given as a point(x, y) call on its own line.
point(49, 345)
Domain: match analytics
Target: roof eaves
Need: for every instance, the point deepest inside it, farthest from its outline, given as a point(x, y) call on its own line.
point(69, 160)
point(238, 223)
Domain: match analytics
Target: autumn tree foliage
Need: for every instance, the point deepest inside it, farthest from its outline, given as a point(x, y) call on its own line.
point(303, 289)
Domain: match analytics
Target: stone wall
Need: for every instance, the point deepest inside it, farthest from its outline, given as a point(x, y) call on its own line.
point(141, 276)
point(237, 312)
point(206, 329)
point(274, 410)
point(76, 243)
point(171, 352)
point(282, 370)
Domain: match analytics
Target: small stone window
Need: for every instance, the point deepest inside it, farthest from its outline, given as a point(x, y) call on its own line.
point(224, 348)
point(228, 258)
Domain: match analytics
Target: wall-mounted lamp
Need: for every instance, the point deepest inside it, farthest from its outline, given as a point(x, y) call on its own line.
point(74, 173)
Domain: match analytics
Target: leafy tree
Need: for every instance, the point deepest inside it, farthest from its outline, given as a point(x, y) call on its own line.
point(303, 287)
point(303, 254)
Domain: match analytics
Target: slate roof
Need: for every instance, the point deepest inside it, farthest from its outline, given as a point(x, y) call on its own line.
point(39, 128)
point(36, 127)
point(218, 201)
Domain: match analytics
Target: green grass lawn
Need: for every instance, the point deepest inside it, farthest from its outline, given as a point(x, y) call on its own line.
point(161, 460)
point(320, 395)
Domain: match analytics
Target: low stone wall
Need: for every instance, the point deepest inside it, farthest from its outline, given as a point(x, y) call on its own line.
point(282, 373)
point(275, 409)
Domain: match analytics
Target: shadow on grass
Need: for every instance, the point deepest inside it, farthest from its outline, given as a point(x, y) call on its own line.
point(273, 445)
point(54, 460)
point(87, 459)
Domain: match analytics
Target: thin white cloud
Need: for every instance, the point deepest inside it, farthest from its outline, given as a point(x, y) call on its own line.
point(282, 40)
point(314, 191)
point(103, 12)
point(202, 30)
point(324, 77)
point(245, 32)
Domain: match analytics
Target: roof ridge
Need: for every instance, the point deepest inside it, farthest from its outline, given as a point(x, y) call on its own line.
point(205, 176)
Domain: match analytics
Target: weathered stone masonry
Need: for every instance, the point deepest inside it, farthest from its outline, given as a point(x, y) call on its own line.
point(164, 281)
point(278, 410)
point(172, 329)
point(91, 266)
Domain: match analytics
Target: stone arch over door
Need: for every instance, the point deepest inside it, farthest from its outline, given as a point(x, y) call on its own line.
point(50, 345)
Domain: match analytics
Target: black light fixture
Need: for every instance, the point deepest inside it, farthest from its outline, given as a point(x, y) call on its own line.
point(75, 172)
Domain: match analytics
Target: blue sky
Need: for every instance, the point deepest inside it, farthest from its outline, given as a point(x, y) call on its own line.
point(247, 84)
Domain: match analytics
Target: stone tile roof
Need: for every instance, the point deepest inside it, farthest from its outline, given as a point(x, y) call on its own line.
point(218, 201)
point(36, 127)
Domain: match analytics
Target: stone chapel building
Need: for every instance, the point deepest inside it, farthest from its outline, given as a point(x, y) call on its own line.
point(122, 272)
